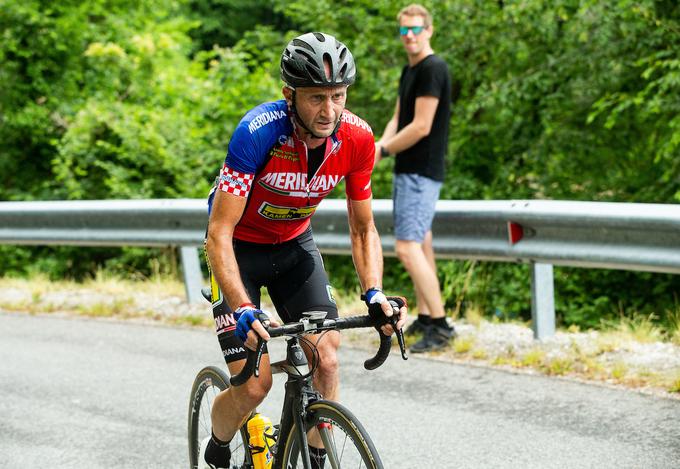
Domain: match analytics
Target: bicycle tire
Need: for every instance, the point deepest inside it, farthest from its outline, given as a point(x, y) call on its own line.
point(353, 448)
point(209, 382)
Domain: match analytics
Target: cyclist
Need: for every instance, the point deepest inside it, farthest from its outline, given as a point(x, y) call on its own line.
point(283, 158)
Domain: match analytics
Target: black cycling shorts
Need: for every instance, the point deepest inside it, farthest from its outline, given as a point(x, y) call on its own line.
point(295, 278)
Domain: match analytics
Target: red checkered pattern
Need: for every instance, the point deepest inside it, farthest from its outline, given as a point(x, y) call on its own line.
point(234, 182)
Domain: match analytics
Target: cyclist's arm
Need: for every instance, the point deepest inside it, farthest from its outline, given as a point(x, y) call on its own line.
point(366, 247)
point(367, 253)
point(226, 212)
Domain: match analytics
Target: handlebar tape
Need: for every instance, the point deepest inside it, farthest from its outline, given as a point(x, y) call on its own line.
point(382, 354)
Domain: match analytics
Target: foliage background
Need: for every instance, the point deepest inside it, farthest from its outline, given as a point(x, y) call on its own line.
point(569, 99)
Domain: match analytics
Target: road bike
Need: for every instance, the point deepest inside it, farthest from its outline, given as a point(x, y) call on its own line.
point(345, 440)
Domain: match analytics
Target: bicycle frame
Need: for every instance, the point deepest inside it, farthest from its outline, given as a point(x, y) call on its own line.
point(299, 392)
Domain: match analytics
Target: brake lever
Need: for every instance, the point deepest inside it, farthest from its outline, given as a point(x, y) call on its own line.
point(399, 332)
point(265, 320)
point(258, 351)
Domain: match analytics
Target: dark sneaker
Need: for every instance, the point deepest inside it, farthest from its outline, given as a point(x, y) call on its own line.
point(435, 338)
point(415, 328)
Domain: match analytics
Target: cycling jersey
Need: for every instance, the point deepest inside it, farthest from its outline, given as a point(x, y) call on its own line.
point(267, 163)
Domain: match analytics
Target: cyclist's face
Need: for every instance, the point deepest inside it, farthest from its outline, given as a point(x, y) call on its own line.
point(321, 108)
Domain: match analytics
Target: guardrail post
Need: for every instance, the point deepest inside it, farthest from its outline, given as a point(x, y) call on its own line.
point(191, 270)
point(542, 300)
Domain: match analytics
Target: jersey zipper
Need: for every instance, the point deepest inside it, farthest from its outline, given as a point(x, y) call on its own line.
point(306, 169)
point(334, 147)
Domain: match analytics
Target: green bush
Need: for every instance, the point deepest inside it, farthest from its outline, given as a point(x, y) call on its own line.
point(570, 99)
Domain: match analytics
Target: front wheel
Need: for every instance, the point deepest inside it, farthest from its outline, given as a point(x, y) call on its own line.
point(346, 441)
point(209, 382)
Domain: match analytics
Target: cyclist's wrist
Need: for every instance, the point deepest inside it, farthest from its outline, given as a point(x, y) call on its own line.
point(373, 295)
point(246, 305)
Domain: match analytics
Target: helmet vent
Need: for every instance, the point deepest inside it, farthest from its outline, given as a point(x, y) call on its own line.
point(299, 43)
point(316, 74)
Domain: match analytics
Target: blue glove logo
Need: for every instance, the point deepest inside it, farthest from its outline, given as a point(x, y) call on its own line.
point(245, 318)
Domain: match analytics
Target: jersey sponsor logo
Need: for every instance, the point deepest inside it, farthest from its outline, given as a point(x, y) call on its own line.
point(276, 212)
point(224, 323)
point(232, 351)
point(285, 154)
point(264, 119)
point(329, 290)
point(295, 184)
point(356, 121)
point(286, 140)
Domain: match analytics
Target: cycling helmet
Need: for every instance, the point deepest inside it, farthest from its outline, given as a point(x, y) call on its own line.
point(302, 62)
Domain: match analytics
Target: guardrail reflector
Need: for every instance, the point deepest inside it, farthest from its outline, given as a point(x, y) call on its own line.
point(515, 232)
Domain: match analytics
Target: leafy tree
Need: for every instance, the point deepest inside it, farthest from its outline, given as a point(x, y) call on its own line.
point(569, 99)
point(223, 23)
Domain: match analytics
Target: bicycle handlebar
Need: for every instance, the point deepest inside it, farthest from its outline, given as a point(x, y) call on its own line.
point(311, 326)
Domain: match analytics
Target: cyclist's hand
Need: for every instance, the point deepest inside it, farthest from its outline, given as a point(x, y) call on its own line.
point(249, 325)
point(389, 305)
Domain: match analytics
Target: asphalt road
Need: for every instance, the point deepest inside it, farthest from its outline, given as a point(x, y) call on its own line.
point(80, 393)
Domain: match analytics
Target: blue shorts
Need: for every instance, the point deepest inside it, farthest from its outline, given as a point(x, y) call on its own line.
point(414, 197)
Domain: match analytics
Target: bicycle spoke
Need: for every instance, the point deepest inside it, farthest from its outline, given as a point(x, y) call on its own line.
point(342, 448)
point(207, 386)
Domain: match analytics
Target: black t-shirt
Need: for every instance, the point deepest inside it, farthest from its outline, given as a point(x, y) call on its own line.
point(429, 77)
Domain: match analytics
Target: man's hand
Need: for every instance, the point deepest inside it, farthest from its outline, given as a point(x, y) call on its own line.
point(378, 156)
point(375, 296)
point(249, 325)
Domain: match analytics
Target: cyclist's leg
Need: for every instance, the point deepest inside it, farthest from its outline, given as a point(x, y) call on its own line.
point(302, 285)
point(233, 406)
point(209, 382)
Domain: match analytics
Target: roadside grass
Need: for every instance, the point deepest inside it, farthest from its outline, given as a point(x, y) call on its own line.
point(639, 328)
point(106, 296)
point(673, 318)
point(103, 296)
point(595, 361)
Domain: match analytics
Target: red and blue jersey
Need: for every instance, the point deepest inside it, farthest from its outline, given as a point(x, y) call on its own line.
point(267, 163)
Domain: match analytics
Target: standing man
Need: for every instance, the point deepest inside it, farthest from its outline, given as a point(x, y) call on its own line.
point(418, 135)
point(284, 157)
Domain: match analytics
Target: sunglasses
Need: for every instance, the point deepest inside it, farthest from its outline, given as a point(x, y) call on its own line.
point(403, 30)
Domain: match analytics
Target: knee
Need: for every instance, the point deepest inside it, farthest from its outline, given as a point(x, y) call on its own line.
point(254, 391)
point(404, 251)
point(328, 364)
point(328, 356)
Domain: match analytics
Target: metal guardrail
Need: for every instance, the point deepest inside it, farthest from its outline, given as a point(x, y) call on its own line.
point(542, 233)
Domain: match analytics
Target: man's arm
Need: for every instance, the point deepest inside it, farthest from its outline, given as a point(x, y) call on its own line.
point(366, 247)
point(389, 132)
point(227, 210)
point(367, 254)
point(418, 128)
